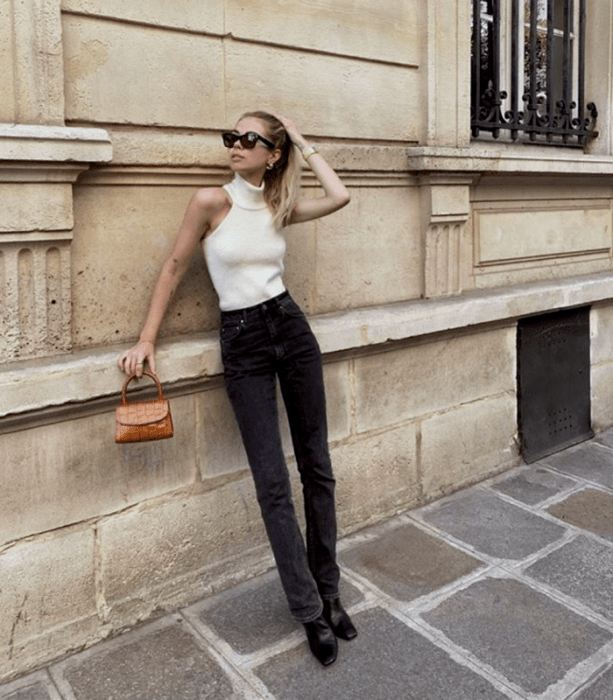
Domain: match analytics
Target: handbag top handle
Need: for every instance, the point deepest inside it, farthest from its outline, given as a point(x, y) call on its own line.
point(124, 398)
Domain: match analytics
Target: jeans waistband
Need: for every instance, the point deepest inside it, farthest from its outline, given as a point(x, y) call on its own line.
point(273, 302)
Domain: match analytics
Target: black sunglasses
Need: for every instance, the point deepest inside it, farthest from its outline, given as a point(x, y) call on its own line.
point(248, 140)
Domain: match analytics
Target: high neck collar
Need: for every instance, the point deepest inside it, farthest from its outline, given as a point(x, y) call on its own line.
point(246, 195)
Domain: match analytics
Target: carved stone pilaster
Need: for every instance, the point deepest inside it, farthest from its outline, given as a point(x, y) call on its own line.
point(31, 62)
point(442, 275)
point(445, 212)
point(35, 297)
point(37, 172)
point(40, 159)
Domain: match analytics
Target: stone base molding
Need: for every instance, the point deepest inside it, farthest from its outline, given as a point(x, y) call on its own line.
point(65, 383)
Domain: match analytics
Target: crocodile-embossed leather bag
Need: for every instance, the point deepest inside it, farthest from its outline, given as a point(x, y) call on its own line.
point(142, 421)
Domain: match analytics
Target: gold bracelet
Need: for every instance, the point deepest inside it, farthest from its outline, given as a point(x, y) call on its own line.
point(308, 152)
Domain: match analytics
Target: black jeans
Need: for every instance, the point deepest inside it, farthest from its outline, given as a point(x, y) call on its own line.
point(259, 344)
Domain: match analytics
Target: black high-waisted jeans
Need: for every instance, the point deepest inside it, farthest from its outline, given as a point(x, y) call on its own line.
point(259, 344)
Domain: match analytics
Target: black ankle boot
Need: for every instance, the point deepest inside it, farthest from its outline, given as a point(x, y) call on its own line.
point(338, 619)
point(322, 641)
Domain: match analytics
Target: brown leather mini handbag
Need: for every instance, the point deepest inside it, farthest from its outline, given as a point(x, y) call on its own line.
point(142, 421)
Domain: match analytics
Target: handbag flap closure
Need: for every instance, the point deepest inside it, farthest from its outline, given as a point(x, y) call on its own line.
point(143, 412)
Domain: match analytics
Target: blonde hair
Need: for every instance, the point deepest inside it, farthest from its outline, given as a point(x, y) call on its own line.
point(282, 182)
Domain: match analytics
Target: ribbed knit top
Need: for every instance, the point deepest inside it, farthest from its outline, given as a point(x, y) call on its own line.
point(245, 252)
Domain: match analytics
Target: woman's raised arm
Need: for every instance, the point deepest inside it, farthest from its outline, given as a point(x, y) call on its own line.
point(335, 195)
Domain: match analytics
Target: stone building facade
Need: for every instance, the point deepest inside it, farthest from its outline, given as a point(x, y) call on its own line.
point(110, 119)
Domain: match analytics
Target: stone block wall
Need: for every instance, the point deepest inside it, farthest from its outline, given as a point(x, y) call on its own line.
point(111, 121)
point(164, 119)
point(130, 529)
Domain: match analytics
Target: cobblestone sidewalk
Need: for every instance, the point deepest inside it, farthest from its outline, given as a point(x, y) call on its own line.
point(504, 590)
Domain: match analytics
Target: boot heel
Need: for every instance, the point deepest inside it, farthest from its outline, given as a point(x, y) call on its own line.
point(322, 641)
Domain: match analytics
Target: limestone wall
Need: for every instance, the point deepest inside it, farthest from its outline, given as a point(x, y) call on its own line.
point(335, 70)
point(110, 122)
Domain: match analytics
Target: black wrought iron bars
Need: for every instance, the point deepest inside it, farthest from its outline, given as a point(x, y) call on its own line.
point(549, 112)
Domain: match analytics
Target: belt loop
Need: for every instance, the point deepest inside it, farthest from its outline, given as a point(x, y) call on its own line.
point(244, 317)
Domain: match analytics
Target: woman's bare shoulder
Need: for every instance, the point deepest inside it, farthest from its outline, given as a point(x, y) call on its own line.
point(211, 199)
point(211, 206)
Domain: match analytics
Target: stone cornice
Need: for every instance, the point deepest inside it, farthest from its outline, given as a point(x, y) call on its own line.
point(54, 144)
point(181, 176)
point(67, 382)
point(482, 159)
point(41, 172)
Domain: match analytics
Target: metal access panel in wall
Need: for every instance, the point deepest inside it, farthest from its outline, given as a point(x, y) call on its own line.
point(553, 355)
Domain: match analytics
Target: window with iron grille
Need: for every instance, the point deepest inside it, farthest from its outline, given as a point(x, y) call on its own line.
point(528, 71)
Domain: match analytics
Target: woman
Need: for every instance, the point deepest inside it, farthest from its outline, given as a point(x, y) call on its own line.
point(265, 336)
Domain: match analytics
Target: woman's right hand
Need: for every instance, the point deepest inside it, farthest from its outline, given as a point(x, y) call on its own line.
point(133, 360)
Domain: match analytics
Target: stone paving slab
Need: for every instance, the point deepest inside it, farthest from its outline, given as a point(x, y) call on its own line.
point(533, 485)
point(589, 509)
point(32, 693)
point(435, 622)
point(582, 569)
point(388, 660)
point(406, 562)
point(492, 525)
point(601, 689)
point(34, 686)
point(156, 662)
point(530, 639)
point(605, 439)
point(589, 461)
point(255, 615)
point(250, 617)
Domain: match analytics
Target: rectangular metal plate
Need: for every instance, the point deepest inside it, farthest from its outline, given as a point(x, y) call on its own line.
point(553, 356)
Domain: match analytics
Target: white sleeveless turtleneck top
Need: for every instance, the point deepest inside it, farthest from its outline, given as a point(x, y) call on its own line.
point(245, 252)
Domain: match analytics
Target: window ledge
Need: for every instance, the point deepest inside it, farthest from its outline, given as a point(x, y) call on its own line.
point(38, 385)
point(510, 159)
